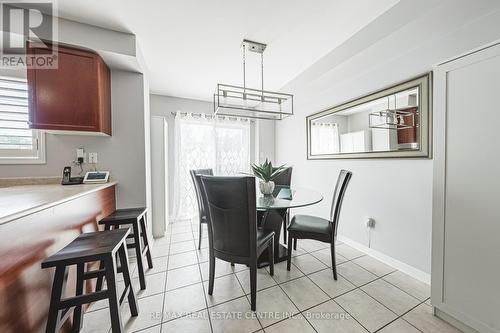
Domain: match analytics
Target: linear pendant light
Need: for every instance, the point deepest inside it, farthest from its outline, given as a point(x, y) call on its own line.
point(240, 101)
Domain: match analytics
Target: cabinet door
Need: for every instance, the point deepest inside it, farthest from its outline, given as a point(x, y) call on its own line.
point(66, 98)
point(466, 217)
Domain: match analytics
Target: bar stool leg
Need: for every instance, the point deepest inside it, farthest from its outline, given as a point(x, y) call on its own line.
point(132, 301)
point(114, 302)
point(138, 253)
point(58, 288)
point(78, 313)
point(146, 241)
point(98, 285)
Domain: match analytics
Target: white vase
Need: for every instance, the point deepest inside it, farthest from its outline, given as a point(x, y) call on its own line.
point(266, 188)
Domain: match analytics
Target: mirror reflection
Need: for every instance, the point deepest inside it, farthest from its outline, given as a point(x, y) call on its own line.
point(388, 121)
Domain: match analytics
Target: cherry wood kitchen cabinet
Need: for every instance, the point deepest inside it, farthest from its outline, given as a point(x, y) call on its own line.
point(74, 97)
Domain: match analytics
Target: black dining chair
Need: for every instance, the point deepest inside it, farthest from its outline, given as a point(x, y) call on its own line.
point(202, 213)
point(311, 227)
point(285, 179)
point(232, 227)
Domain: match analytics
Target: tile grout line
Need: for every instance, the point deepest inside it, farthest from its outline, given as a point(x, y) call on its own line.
point(329, 299)
point(357, 287)
point(401, 317)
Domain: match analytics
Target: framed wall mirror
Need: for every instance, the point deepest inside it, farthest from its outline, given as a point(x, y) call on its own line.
point(393, 122)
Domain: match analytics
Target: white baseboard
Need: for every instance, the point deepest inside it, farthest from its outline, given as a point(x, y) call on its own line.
point(401, 266)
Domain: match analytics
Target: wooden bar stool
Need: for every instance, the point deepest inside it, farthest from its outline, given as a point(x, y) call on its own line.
point(101, 246)
point(135, 217)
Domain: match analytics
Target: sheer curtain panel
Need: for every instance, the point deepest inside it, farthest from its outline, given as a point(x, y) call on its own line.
point(202, 141)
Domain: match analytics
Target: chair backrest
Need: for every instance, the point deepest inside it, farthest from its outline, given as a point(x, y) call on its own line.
point(284, 178)
point(338, 196)
point(232, 226)
point(196, 177)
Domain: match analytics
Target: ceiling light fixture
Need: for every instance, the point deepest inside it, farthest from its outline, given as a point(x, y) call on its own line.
point(393, 119)
point(238, 101)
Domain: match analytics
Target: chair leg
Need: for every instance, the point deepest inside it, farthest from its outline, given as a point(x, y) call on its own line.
point(58, 288)
point(200, 233)
point(98, 285)
point(286, 223)
point(211, 275)
point(100, 278)
point(77, 312)
point(138, 254)
point(114, 303)
point(146, 240)
point(334, 266)
point(284, 230)
point(295, 244)
point(253, 286)
point(132, 301)
point(270, 250)
point(289, 258)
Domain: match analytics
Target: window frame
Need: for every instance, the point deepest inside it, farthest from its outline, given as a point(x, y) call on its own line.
point(38, 156)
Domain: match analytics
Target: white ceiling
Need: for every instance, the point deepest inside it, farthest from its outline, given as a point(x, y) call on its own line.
point(191, 45)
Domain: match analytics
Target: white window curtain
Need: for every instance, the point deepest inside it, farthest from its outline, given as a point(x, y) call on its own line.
point(325, 138)
point(202, 141)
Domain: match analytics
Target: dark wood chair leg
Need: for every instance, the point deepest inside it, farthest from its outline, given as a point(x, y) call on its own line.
point(285, 225)
point(270, 249)
point(100, 278)
point(253, 286)
point(295, 244)
point(58, 288)
point(200, 233)
point(114, 302)
point(211, 274)
point(334, 265)
point(132, 301)
point(78, 313)
point(146, 240)
point(99, 283)
point(138, 253)
point(289, 258)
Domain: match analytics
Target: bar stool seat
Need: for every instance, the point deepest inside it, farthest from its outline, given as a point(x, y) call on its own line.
point(103, 246)
point(135, 218)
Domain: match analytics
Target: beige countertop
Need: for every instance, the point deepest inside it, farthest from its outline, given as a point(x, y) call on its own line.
point(19, 201)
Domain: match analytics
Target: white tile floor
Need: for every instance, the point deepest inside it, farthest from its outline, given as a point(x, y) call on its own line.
point(368, 296)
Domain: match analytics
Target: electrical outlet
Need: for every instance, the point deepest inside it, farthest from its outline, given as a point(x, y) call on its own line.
point(93, 158)
point(80, 155)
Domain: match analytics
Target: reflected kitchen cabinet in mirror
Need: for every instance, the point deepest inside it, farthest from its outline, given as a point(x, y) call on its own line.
point(394, 122)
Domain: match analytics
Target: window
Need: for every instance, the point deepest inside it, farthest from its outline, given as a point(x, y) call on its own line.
point(18, 143)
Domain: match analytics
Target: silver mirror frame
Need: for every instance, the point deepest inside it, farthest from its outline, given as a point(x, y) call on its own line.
point(424, 83)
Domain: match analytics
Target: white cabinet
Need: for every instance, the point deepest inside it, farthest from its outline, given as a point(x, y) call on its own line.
point(466, 201)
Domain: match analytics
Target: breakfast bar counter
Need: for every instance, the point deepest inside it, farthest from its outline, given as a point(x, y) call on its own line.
point(19, 201)
point(35, 222)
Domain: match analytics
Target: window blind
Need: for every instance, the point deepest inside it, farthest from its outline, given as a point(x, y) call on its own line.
point(15, 133)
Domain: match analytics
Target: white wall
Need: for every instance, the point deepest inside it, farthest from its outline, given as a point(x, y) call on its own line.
point(403, 43)
point(165, 105)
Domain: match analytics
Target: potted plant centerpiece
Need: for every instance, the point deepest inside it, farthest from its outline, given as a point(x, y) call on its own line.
point(267, 173)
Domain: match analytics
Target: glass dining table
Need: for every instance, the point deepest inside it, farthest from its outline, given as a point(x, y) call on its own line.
point(272, 210)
